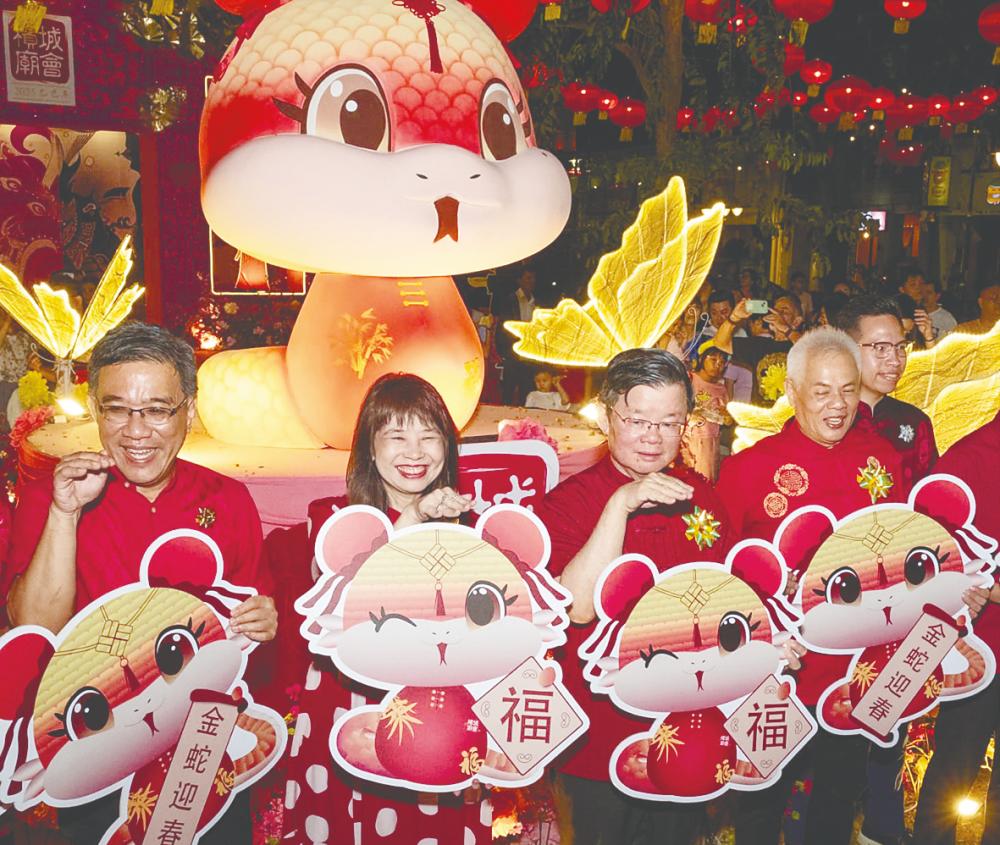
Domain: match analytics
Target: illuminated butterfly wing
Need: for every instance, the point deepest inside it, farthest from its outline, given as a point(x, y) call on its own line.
point(17, 302)
point(62, 317)
point(109, 305)
point(565, 335)
point(636, 293)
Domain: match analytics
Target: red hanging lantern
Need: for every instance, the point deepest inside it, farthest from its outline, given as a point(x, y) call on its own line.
point(580, 98)
point(799, 99)
point(606, 100)
point(507, 18)
point(685, 118)
point(708, 15)
point(986, 94)
point(965, 108)
point(903, 155)
point(905, 113)
point(795, 57)
point(814, 73)
point(710, 119)
point(731, 118)
point(824, 115)
point(741, 22)
point(802, 13)
point(848, 95)
point(989, 28)
point(879, 101)
point(763, 103)
point(937, 107)
point(628, 114)
point(904, 11)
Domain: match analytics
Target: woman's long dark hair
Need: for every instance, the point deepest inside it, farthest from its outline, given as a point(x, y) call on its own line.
point(397, 396)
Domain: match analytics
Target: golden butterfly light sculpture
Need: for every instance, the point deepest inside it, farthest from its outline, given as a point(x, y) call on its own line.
point(51, 319)
point(956, 383)
point(636, 292)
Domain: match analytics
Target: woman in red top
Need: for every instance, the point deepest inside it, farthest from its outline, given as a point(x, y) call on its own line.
point(404, 461)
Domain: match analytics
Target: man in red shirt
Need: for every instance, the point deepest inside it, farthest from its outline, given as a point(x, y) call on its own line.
point(876, 325)
point(819, 458)
point(964, 728)
point(84, 533)
point(633, 501)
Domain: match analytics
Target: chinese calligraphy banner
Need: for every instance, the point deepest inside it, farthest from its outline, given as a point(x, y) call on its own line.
point(39, 65)
point(695, 649)
point(454, 624)
point(142, 691)
point(883, 587)
point(194, 770)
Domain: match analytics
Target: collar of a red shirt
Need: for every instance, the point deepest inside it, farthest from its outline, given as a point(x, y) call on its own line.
point(861, 424)
point(180, 468)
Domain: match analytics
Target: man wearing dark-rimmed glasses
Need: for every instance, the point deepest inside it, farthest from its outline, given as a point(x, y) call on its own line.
point(634, 500)
point(875, 324)
point(83, 532)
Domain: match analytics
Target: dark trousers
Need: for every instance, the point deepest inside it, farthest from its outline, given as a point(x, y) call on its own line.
point(961, 735)
point(884, 803)
point(604, 816)
point(86, 824)
point(838, 774)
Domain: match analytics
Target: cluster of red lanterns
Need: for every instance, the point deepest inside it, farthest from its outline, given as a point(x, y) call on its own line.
point(989, 28)
point(582, 98)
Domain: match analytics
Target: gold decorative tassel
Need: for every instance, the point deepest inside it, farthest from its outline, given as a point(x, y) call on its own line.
point(846, 121)
point(553, 11)
point(901, 26)
point(707, 33)
point(799, 30)
point(906, 133)
point(996, 56)
point(579, 118)
point(29, 17)
point(626, 134)
point(813, 90)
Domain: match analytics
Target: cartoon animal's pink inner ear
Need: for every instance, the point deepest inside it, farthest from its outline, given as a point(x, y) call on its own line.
point(349, 535)
point(759, 567)
point(23, 658)
point(514, 531)
point(624, 586)
point(802, 536)
point(944, 500)
point(184, 559)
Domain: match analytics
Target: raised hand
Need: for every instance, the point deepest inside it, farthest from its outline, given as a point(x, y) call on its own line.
point(78, 479)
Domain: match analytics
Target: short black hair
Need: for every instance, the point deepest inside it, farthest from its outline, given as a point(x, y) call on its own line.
point(135, 341)
point(867, 305)
point(649, 367)
point(720, 296)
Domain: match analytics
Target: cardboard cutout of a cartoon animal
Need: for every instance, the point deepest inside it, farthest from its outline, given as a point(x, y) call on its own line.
point(686, 647)
point(100, 707)
point(867, 579)
point(437, 615)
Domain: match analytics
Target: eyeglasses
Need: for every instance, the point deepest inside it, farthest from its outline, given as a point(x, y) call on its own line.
point(155, 415)
point(882, 349)
point(639, 426)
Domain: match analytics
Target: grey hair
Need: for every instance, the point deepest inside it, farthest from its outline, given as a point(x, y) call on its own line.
point(649, 367)
point(819, 341)
point(135, 341)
